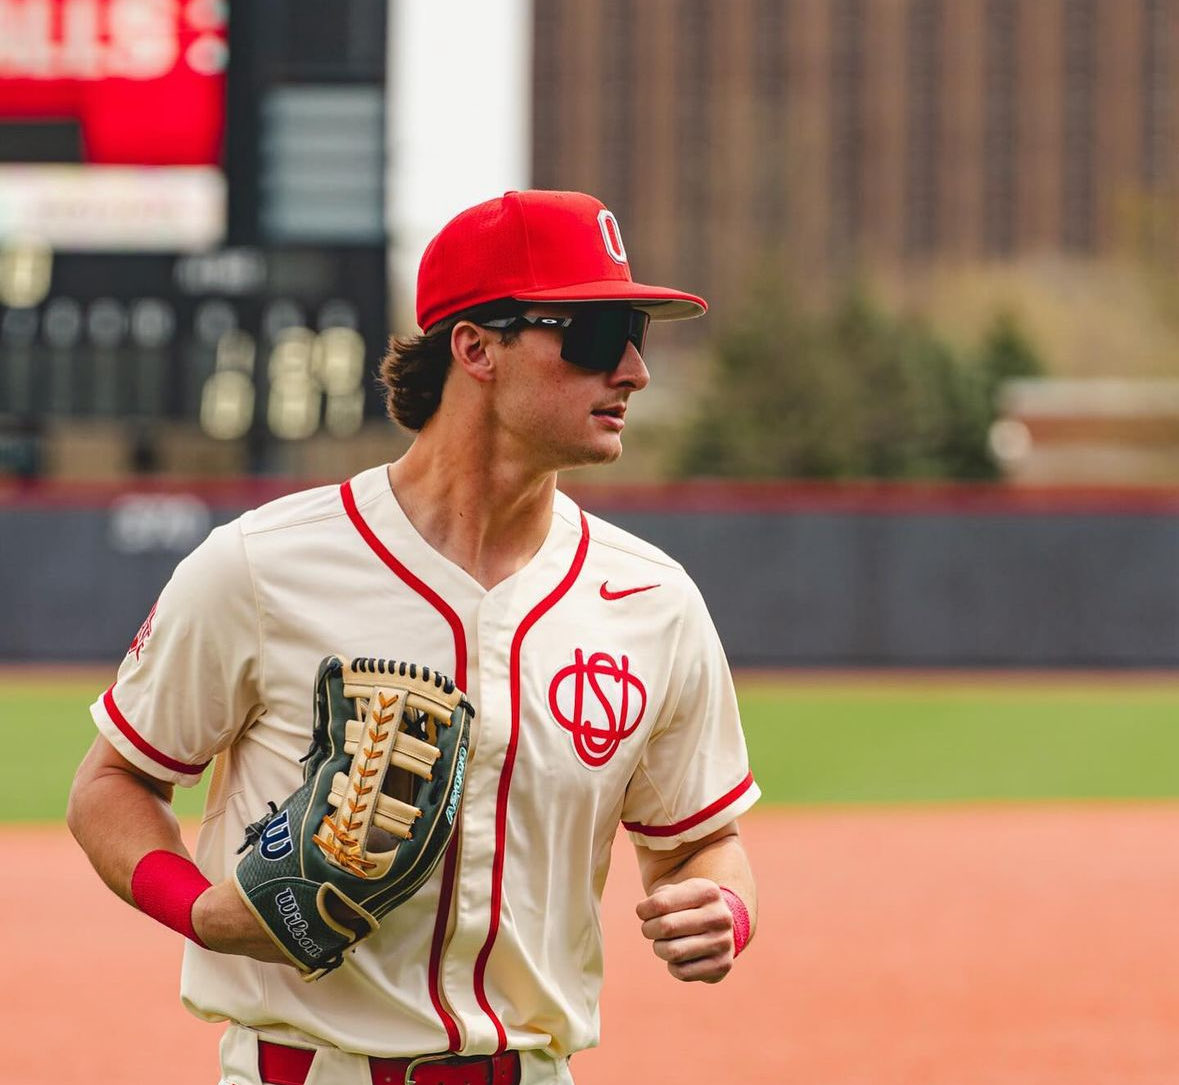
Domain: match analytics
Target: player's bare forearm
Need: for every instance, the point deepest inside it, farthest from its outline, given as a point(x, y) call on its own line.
point(224, 923)
point(685, 915)
point(119, 814)
point(720, 856)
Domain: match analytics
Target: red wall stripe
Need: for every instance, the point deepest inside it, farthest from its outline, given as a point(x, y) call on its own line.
point(450, 861)
point(695, 819)
point(877, 497)
point(505, 777)
point(141, 744)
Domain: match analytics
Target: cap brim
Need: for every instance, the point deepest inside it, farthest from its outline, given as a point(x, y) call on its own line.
point(659, 301)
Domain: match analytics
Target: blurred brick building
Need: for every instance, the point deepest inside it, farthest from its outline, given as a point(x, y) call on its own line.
point(822, 136)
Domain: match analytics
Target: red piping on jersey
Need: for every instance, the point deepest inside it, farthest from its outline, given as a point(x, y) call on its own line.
point(450, 862)
point(420, 586)
point(141, 743)
point(689, 822)
point(505, 776)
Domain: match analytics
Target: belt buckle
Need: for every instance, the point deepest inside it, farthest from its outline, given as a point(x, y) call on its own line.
point(445, 1058)
point(487, 1064)
point(415, 1063)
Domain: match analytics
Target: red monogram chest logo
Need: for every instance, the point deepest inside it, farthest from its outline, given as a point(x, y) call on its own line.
point(599, 702)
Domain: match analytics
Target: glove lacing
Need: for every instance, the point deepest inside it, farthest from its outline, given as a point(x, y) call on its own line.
point(339, 833)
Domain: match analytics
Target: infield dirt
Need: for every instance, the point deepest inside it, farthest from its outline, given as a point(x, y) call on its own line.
point(989, 945)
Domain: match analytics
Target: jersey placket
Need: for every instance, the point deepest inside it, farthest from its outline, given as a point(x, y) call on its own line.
point(473, 890)
point(501, 633)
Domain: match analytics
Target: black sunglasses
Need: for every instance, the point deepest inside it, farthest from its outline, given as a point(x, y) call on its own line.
point(595, 337)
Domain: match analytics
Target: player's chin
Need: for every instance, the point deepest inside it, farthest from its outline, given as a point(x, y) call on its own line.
point(607, 447)
point(594, 453)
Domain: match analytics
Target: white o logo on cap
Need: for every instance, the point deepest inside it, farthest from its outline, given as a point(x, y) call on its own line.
point(611, 236)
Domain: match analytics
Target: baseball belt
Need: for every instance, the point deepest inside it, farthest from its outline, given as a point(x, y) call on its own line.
point(279, 1064)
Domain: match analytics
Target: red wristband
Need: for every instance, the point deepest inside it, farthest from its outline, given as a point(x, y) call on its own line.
point(165, 886)
point(740, 919)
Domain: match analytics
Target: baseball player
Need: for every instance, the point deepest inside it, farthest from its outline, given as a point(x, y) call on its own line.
point(601, 692)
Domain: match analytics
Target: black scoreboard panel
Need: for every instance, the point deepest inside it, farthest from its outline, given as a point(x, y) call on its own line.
point(280, 342)
point(305, 151)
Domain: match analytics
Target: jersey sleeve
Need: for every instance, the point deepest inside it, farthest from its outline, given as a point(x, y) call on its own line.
point(189, 682)
point(694, 776)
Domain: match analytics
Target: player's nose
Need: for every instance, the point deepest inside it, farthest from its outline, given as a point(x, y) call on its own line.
point(632, 371)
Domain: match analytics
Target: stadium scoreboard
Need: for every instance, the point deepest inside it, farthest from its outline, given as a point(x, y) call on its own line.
point(192, 220)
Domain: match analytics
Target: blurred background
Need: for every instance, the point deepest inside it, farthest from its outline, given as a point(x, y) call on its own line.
point(932, 418)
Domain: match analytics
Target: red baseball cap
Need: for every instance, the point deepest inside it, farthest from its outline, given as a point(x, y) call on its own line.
point(536, 246)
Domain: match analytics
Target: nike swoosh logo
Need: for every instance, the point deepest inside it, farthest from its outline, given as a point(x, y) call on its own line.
point(624, 592)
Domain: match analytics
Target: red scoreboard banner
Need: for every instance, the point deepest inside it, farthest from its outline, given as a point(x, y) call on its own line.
point(144, 79)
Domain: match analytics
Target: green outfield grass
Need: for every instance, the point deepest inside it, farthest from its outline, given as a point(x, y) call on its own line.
point(845, 739)
point(46, 728)
point(933, 740)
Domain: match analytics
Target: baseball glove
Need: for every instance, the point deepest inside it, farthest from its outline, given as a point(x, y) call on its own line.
point(382, 783)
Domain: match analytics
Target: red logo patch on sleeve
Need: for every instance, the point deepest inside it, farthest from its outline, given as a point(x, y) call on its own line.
point(144, 632)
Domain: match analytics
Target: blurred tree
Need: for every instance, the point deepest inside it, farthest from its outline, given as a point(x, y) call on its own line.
point(855, 392)
point(1007, 353)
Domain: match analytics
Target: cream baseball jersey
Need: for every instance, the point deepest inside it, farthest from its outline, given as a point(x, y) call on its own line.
point(602, 696)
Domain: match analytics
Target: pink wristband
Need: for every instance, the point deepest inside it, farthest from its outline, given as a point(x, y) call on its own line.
point(740, 919)
point(165, 886)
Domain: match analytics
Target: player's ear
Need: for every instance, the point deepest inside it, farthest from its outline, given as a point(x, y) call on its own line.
point(468, 349)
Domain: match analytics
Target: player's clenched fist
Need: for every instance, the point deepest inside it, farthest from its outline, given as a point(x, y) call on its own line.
point(691, 928)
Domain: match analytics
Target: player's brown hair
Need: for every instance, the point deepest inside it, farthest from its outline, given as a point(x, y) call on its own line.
point(414, 368)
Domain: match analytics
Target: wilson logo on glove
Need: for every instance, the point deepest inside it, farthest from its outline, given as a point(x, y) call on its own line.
point(295, 923)
point(274, 841)
point(382, 785)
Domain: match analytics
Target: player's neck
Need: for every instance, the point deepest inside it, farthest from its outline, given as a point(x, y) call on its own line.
point(482, 516)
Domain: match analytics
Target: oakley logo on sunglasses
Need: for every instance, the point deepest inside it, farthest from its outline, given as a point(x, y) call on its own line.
point(612, 236)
